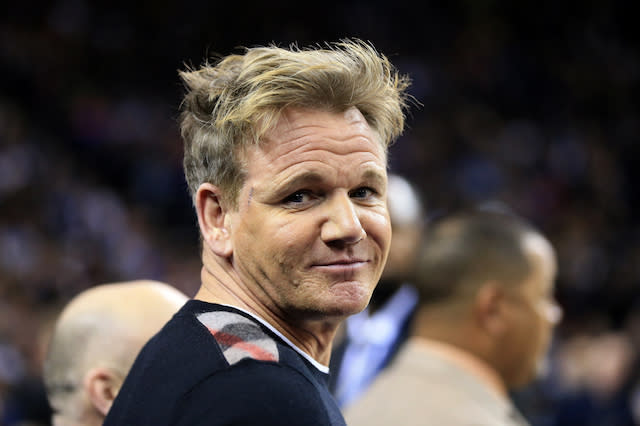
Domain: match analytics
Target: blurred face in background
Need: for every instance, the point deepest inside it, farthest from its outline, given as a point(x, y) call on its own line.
point(406, 213)
point(532, 314)
point(405, 242)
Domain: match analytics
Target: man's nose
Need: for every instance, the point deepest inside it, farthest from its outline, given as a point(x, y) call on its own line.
point(343, 224)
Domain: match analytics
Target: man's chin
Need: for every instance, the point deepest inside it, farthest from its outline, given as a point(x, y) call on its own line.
point(340, 311)
point(353, 302)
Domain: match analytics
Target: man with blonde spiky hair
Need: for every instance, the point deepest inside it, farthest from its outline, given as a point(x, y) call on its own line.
point(286, 162)
point(95, 341)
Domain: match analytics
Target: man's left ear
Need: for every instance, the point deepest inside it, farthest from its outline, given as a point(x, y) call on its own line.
point(489, 309)
point(102, 386)
point(213, 220)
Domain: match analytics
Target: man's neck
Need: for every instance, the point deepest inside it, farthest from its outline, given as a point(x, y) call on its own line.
point(220, 284)
point(465, 360)
point(445, 331)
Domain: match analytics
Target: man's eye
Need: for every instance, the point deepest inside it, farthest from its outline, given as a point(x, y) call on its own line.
point(297, 197)
point(363, 192)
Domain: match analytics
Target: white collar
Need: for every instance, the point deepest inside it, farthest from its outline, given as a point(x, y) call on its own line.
point(316, 364)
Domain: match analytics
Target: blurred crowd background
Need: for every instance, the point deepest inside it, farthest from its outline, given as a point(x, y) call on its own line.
point(530, 106)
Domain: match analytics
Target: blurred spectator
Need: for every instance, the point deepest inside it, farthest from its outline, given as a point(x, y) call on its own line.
point(95, 341)
point(597, 380)
point(483, 323)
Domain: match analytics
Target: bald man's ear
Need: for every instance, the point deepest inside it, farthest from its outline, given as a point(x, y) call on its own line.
point(102, 386)
point(489, 309)
point(213, 221)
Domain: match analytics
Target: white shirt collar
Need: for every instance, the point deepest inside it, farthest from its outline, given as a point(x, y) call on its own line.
point(316, 364)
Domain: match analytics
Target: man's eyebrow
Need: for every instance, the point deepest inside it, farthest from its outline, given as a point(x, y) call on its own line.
point(374, 176)
point(311, 177)
point(308, 177)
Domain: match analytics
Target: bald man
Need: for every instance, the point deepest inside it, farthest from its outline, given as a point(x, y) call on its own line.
point(95, 341)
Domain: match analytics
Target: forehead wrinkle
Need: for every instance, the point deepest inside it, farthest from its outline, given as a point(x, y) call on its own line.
point(316, 171)
point(291, 132)
point(322, 155)
point(339, 143)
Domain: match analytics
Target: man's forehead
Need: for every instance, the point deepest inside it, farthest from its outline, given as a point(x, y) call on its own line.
point(297, 121)
point(294, 113)
point(354, 115)
point(304, 131)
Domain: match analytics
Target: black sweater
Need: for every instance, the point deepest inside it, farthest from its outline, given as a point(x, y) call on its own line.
point(216, 365)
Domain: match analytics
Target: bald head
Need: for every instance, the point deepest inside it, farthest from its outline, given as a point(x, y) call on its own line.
point(95, 341)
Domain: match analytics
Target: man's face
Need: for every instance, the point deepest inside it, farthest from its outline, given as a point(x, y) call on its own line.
point(311, 232)
point(534, 313)
point(405, 245)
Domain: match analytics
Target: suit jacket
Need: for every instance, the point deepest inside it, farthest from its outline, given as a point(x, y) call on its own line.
point(421, 387)
point(340, 347)
point(405, 303)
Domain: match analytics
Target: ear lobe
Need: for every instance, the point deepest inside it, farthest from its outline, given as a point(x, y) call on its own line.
point(102, 386)
point(213, 220)
point(489, 308)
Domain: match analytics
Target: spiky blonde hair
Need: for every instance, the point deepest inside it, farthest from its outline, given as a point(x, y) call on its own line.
point(233, 103)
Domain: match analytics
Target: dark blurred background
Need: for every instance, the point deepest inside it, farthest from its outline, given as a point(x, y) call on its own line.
point(532, 106)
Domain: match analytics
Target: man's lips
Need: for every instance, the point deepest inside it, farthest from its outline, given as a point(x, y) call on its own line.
point(340, 263)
